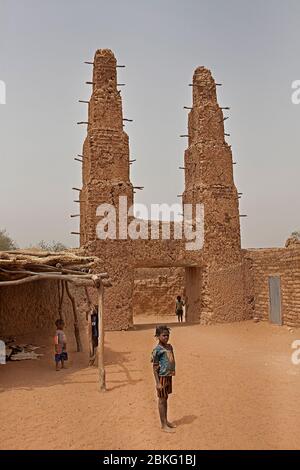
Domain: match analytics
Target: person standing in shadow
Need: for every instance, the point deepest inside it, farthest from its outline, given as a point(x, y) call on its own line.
point(179, 308)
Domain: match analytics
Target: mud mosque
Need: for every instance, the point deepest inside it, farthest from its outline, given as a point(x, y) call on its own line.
point(221, 281)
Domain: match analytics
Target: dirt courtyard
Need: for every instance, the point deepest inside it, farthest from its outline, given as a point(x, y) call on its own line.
point(235, 388)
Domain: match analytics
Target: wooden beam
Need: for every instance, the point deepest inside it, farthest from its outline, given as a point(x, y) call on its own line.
point(101, 367)
point(83, 279)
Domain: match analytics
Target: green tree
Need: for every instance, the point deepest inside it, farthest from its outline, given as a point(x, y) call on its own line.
point(6, 242)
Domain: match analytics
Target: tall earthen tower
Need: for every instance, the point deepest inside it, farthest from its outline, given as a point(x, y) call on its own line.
point(209, 180)
point(106, 147)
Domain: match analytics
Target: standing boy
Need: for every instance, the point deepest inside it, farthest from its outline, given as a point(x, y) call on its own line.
point(163, 368)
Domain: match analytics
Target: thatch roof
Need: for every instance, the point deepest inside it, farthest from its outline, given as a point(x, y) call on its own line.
point(17, 265)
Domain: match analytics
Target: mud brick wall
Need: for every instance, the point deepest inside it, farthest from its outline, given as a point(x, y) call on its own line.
point(34, 307)
point(283, 262)
point(155, 291)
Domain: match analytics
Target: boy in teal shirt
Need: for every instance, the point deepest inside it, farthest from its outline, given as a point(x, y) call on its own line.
point(164, 369)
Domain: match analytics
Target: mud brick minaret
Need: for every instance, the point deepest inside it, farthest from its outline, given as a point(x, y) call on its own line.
point(209, 180)
point(106, 148)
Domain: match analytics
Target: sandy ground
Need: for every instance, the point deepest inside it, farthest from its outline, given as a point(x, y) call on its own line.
point(235, 388)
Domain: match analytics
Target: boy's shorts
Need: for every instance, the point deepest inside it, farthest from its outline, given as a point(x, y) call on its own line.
point(166, 382)
point(61, 357)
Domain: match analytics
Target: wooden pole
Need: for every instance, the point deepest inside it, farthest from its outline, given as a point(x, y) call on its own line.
point(76, 327)
point(61, 291)
point(101, 367)
point(78, 280)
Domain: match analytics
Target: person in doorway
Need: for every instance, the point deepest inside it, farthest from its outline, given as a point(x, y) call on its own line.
point(60, 344)
point(179, 308)
point(163, 362)
point(95, 326)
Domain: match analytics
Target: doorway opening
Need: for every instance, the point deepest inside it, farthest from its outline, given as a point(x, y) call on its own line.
point(156, 290)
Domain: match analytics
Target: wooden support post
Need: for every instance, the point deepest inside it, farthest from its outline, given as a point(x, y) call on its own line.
point(101, 367)
point(76, 327)
point(61, 291)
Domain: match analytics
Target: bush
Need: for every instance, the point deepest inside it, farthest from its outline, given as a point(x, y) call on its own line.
point(6, 242)
point(296, 234)
point(51, 246)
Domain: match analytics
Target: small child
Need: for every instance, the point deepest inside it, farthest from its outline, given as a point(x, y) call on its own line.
point(179, 308)
point(163, 368)
point(60, 343)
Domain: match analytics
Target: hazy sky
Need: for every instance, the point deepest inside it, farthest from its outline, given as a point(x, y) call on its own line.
point(252, 47)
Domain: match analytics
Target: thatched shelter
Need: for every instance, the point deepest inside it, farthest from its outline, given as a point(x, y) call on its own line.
point(32, 289)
